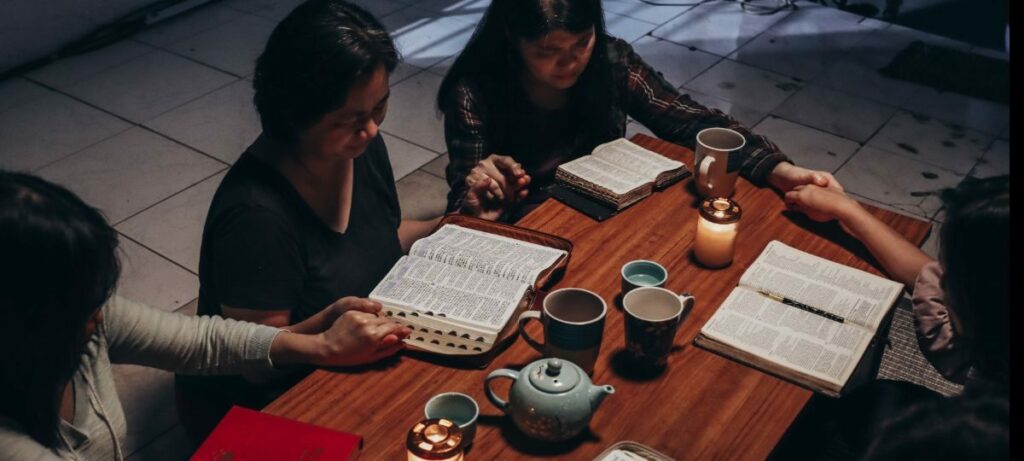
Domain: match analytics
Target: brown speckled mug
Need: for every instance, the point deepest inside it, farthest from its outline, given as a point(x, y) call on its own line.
point(652, 317)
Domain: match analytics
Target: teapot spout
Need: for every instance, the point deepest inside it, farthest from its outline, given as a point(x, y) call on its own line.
point(598, 393)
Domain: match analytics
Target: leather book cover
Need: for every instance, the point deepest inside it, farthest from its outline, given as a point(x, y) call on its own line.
point(246, 434)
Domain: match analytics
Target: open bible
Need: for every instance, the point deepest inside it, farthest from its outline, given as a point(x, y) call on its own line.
point(459, 287)
point(801, 317)
point(620, 173)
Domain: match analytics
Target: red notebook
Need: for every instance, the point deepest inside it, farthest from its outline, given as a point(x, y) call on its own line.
point(246, 434)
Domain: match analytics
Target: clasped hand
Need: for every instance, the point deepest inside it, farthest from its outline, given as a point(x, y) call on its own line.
point(493, 184)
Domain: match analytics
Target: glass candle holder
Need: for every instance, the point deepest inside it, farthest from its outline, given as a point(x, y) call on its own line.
point(716, 232)
point(435, 439)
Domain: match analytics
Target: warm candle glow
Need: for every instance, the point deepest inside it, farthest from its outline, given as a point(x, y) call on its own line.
point(715, 243)
point(434, 440)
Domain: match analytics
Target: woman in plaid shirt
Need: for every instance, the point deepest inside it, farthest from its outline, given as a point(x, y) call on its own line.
point(541, 83)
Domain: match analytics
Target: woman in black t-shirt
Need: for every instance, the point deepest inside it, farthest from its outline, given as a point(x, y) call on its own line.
point(307, 220)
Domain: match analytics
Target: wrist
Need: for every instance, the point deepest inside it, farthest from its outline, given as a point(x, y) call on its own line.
point(291, 348)
point(778, 178)
point(850, 213)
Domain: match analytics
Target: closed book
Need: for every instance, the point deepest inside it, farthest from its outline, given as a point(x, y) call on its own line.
point(246, 434)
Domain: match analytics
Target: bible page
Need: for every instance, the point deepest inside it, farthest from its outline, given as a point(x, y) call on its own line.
point(626, 154)
point(487, 253)
point(796, 339)
point(476, 302)
point(855, 295)
point(600, 172)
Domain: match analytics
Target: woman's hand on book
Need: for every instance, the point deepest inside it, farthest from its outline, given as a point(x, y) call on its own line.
point(786, 176)
point(357, 338)
point(323, 320)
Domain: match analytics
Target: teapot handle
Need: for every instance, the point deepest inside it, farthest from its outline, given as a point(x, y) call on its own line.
point(501, 373)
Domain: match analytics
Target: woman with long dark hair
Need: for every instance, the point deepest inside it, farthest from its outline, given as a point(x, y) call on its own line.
point(540, 83)
point(58, 274)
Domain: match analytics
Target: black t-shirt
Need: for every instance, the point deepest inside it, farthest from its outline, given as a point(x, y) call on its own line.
point(264, 247)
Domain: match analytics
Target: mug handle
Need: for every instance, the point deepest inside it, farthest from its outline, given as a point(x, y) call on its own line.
point(705, 165)
point(688, 301)
point(500, 373)
point(525, 318)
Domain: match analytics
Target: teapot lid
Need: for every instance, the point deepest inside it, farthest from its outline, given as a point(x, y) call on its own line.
point(554, 376)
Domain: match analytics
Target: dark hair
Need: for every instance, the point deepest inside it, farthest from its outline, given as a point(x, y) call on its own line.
point(974, 425)
point(312, 60)
point(975, 255)
point(58, 266)
point(492, 62)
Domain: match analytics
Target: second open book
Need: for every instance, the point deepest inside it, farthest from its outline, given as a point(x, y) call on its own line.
point(458, 288)
point(620, 173)
point(801, 317)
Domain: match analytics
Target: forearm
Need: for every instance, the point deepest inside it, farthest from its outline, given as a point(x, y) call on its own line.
point(141, 335)
point(412, 230)
point(290, 348)
point(900, 259)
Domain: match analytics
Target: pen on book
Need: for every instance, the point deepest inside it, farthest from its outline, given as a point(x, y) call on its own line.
point(802, 306)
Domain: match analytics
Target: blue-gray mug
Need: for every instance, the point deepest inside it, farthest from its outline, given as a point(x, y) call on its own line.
point(573, 320)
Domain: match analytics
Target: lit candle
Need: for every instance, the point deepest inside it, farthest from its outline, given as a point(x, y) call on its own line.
point(434, 440)
point(716, 231)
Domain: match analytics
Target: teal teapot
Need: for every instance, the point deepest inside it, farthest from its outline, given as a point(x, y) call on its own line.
point(550, 399)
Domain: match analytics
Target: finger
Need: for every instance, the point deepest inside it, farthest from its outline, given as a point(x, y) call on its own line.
point(364, 305)
point(494, 173)
point(388, 352)
point(388, 341)
point(478, 187)
point(820, 179)
point(494, 191)
point(791, 198)
point(509, 166)
point(384, 327)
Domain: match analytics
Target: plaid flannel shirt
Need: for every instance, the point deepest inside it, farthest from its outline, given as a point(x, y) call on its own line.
point(642, 94)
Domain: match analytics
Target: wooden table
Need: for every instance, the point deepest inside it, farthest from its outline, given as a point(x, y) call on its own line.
point(703, 406)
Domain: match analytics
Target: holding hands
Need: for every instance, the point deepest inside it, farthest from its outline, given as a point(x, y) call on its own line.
point(494, 183)
point(822, 203)
point(787, 176)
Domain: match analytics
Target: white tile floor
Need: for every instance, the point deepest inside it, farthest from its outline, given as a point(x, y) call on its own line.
point(146, 127)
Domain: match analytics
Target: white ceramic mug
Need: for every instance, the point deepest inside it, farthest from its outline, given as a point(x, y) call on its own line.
point(714, 178)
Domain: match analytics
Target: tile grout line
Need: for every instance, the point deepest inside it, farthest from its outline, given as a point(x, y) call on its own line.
point(122, 221)
point(415, 143)
point(132, 123)
point(161, 255)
